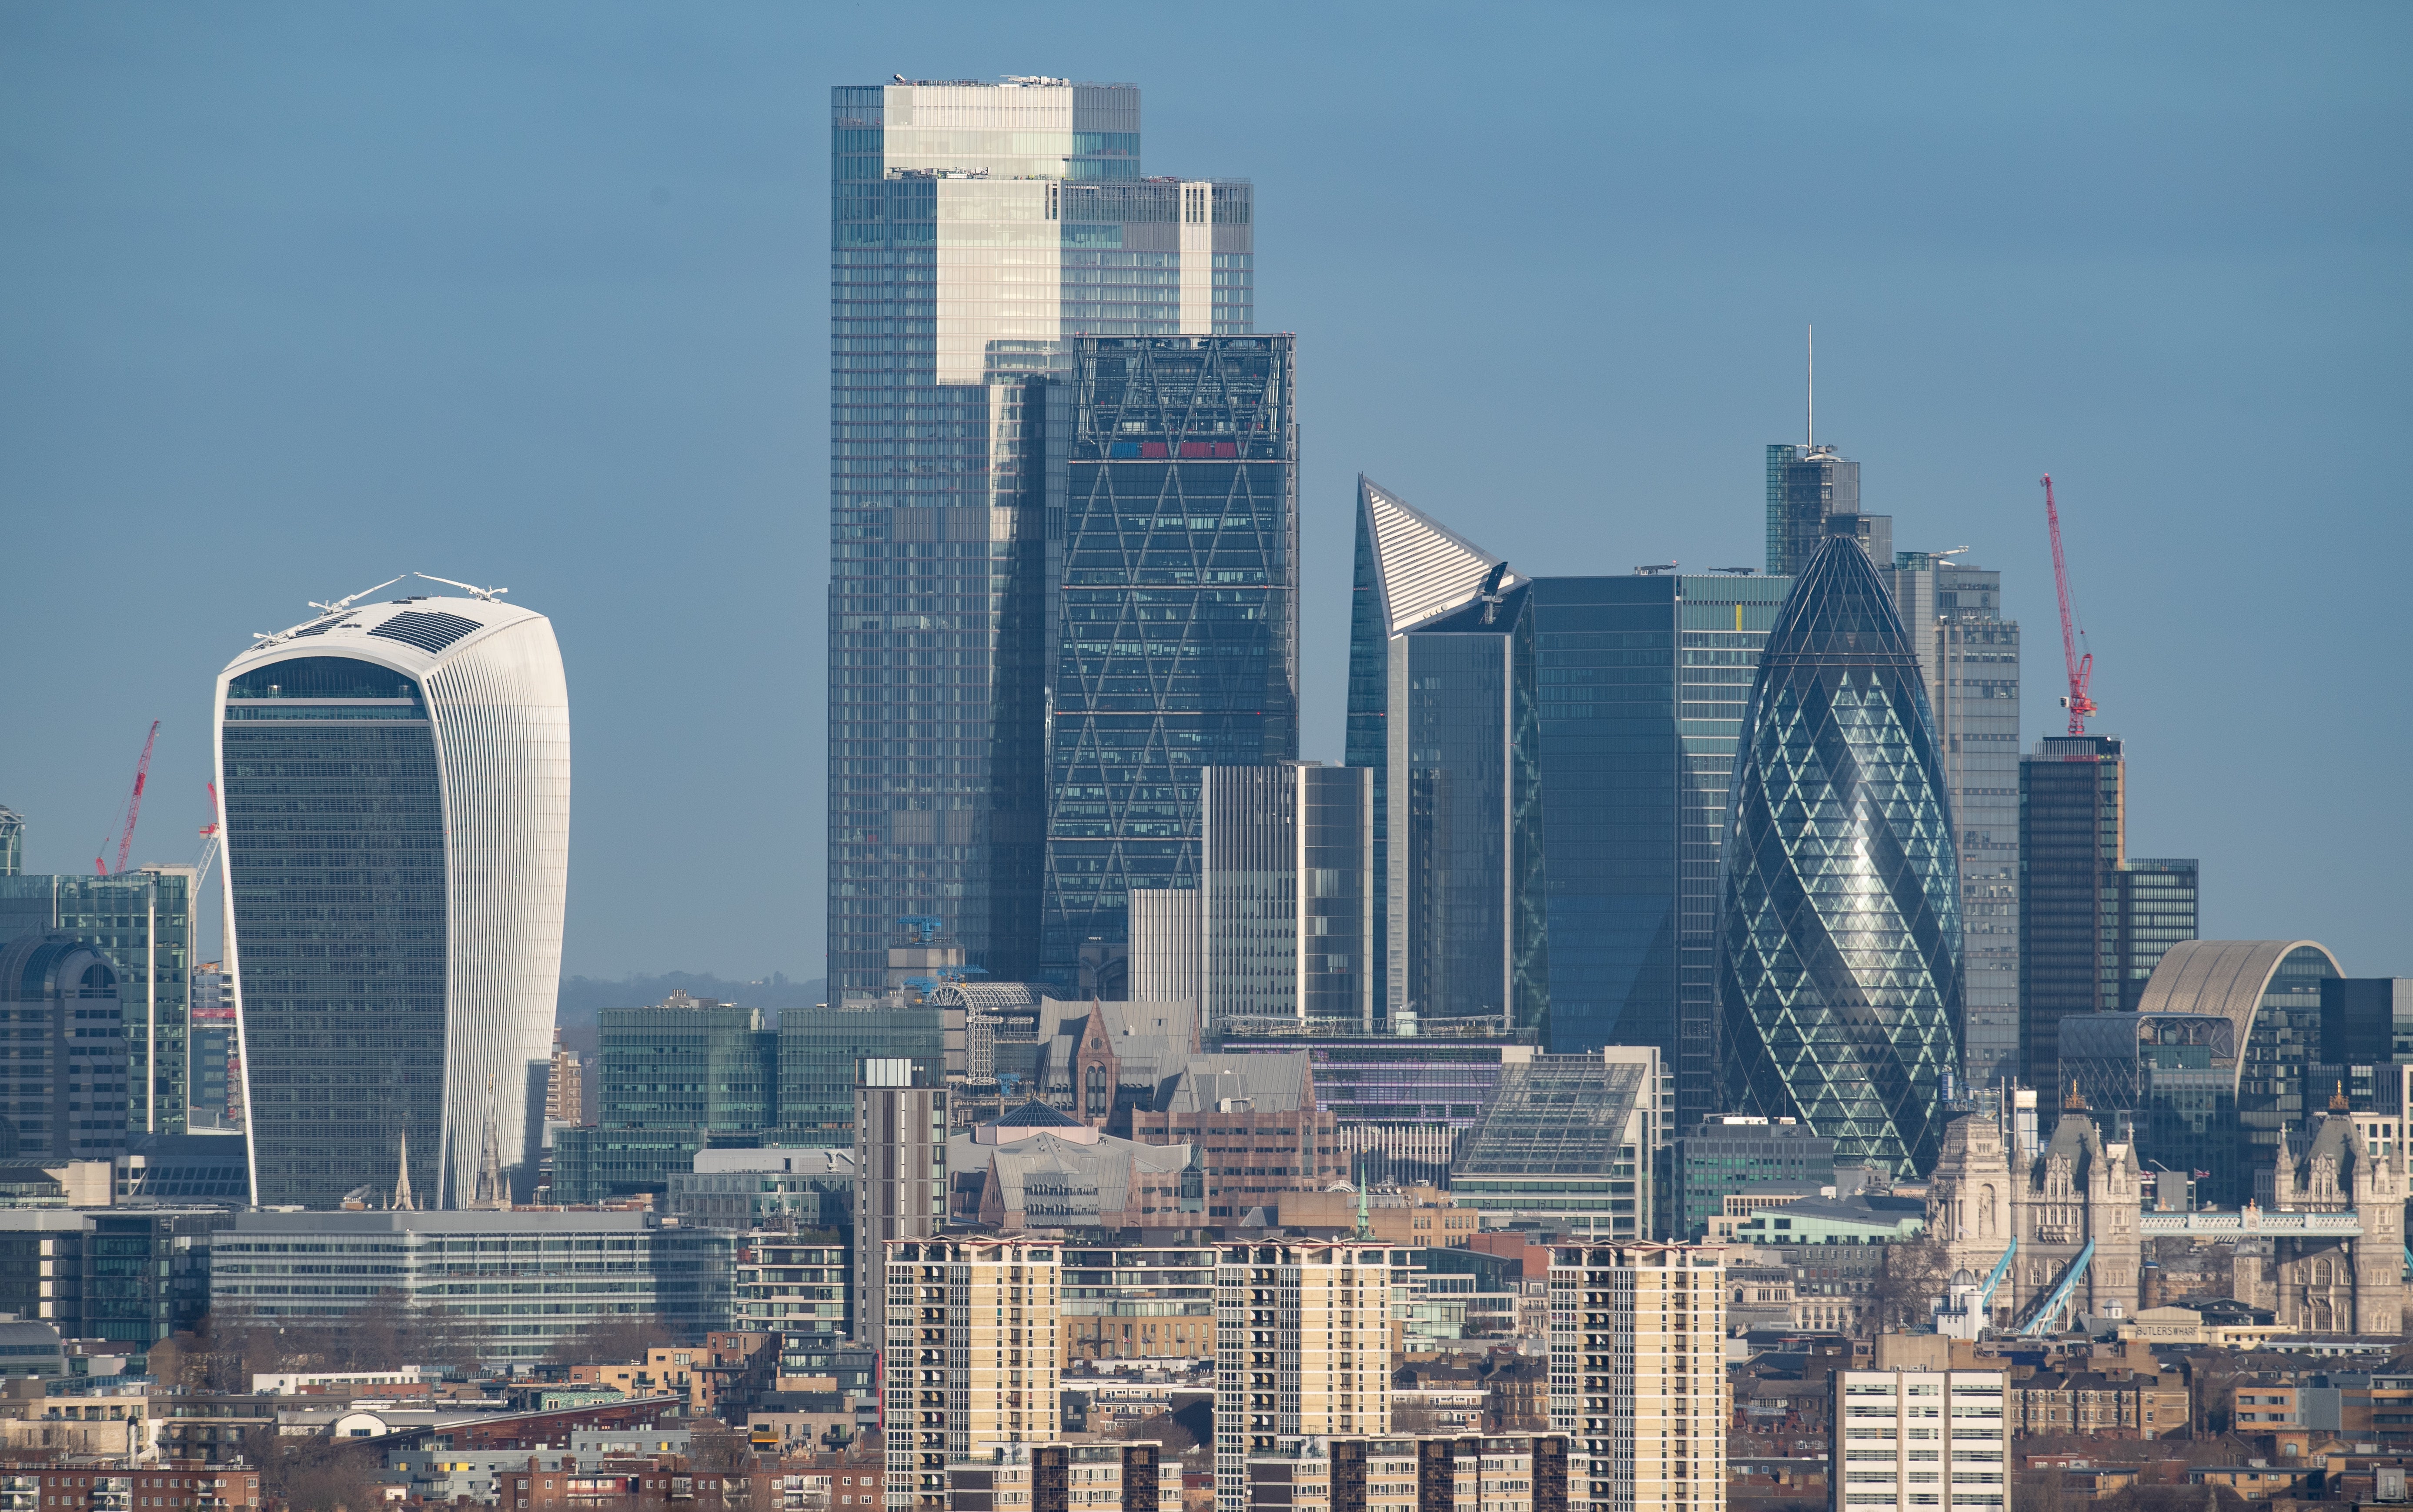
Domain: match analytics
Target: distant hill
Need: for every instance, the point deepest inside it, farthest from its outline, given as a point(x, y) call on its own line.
point(585, 997)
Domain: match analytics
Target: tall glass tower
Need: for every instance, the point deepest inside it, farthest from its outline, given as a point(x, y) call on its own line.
point(1970, 656)
point(393, 784)
point(1839, 968)
point(1176, 641)
point(973, 229)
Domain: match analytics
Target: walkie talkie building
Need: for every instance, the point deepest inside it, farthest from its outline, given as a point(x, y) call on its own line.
point(394, 781)
point(1839, 958)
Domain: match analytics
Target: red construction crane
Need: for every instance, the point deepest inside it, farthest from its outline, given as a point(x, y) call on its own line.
point(133, 806)
point(2081, 664)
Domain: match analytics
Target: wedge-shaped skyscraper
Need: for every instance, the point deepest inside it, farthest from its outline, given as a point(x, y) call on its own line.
point(1838, 957)
point(395, 787)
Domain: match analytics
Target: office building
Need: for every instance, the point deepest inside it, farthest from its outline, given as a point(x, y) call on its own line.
point(973, 229)
point(413, 995)
point(2093, 921)
point(1485, 1473)
point(1164, 959)
point(972, 1355)
point(1730, 1153)
point(1303, 1348)
point(134, 1276)
point(1921, 1440)
point(1643, 681)
point(1398, 1104)
point(65, 1087)
point(1286, 902)
point(779, 1187)
point(565, 1084)
point(1127, 1476)
point(821, 1051)
point(1806, 486)
point(2165, 1083)
point(1570, 1141)
point(1176, 644)
point(674, 1077)
point(2367, 1034)
point(1638, 1375)
point(1256, 1125)
point(524, 1282)
point(1039, 1168)
point(901, 1162)
point(216, 1058)
point(143, 922)
point(1970, 654)
point(12, 841)
point(1840, 953)
point(1640, 685)
point(2269, 992)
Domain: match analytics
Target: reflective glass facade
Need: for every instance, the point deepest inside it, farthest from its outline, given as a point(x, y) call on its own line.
point(335, 856)
point(2157, 899)
point(2073, 834)
point(1286, 901)
point(1805, 487)
point(820, 1049)
point(1839, 969)
point(142, 921)
point(2271, 1091)
point(1468, 935)
point(1178, 628)
point(1970, 656)
point(974, 228)
point(2168, 1081)
point(64, 1085)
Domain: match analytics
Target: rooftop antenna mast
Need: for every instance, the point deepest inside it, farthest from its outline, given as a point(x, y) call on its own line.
point(1812, 394)
point(339, 605)
point(484, 595)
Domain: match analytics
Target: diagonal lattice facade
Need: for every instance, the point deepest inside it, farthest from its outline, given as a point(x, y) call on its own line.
point(1840, 953)
point(1178, 624)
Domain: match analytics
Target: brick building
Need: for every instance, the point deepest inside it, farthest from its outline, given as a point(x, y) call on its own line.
point(1255, 1119)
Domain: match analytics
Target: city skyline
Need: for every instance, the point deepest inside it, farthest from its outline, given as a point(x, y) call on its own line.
point(1954, 466)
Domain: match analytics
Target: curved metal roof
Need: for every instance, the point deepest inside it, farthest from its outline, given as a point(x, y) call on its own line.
point(2225, 977)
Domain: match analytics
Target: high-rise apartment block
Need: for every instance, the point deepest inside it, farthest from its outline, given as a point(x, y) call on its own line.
point(1128, 1476)
point(1302, 1348)
point(900, 1165)
point(974, 228)
point(1970, 657)
point(1177, 623)
point(1839, 971)
point(1487, 1472)
point(394, 781)
point(1638, 1375)
point(1287, 905)
point(2092, 923)
point(1912, 1441)
point(972, 1356)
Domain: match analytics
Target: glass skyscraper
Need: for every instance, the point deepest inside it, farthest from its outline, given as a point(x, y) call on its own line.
point(1643, 680)
point(1286, 901)
point(1807, 484)
point(1177, 639)
point(1970, 656)
point(1839, 969)
point(393, 784)
point(973, 229)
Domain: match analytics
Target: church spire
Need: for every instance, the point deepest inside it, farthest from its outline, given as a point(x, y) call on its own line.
point(491, 1191)
point(403, 1201)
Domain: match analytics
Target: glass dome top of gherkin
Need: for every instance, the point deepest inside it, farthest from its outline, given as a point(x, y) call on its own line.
point(1839, 951)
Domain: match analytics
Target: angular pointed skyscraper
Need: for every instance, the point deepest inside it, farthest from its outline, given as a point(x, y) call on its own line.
point(1838, 952)
point(1443, 706)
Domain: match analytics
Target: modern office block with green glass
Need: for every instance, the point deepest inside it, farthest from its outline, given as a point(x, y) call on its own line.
point(143, 921)
point(819, 1050)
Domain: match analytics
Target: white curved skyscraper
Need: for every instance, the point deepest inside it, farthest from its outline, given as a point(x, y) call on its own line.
point(394, 781)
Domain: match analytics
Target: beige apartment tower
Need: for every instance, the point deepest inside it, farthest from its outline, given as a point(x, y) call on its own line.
point(1302, 1348)
point(1637, 1376)
point(1921, 1441)
point(972, 1356)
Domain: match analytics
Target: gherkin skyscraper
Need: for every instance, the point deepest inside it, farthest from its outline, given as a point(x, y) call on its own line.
point(1839, 951)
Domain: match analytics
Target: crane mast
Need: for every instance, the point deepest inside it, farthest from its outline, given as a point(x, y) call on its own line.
point(133, 806)
point(2080, 664)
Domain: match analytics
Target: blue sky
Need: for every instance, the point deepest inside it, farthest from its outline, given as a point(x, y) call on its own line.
point(294, 297)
